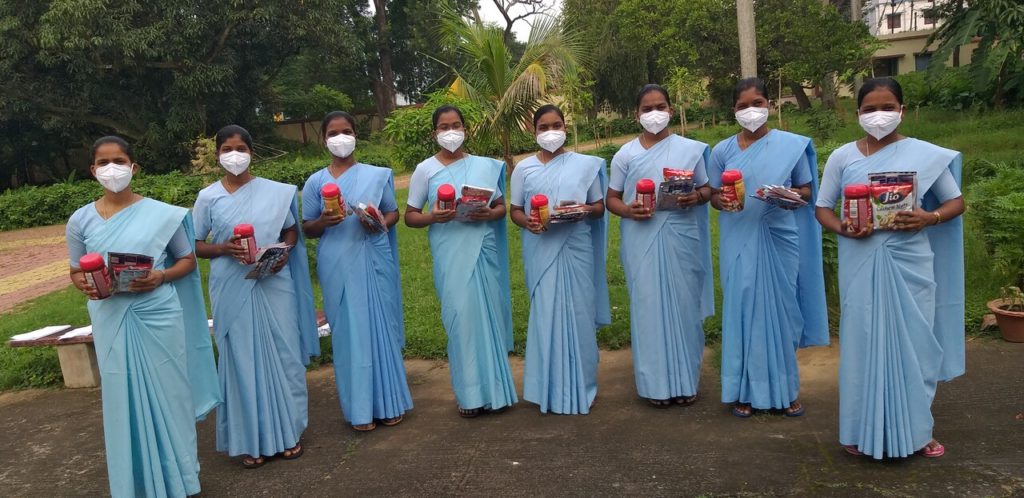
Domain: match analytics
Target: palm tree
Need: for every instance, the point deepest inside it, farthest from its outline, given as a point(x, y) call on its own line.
point(506, 89)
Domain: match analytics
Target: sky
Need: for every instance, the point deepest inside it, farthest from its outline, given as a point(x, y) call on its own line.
point(490, 13)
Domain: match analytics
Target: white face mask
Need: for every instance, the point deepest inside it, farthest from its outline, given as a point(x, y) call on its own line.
point(114, 177)
point(880, 124)
point(654, 121)
point(752, 118)
point(235, 162)
point(451, 140)
point(551, 140)
point(341, 145)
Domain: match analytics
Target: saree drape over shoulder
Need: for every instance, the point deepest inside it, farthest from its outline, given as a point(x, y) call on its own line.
point(902, 325)
point(265, 329)
point(358, 274)
point(471, 278)
point(667, 261)
point(771, 272)
point(155, 358)
point(565, 278)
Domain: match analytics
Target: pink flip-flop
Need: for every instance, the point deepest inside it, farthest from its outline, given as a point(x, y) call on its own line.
point(934, 449)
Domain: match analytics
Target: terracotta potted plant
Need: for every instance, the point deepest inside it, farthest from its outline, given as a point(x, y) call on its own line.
point(1009, 311)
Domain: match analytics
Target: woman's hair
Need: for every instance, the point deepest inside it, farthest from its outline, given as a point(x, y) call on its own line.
point(233, 130)
point(877, 83)
point(545, 109)
point(746, 84)
point(331, 116)
point(110, 139)
point(443, 109)
point(652, 87)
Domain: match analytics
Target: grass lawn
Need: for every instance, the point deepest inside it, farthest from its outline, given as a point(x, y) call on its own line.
point(992, 136)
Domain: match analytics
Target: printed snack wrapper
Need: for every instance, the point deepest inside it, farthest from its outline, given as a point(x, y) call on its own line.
point(266, 258)
point(891, 193)
point(569, 212)
point(369, 214)
point(780, 196)
point(473, 199)
point(676, 183)
point(125, 267)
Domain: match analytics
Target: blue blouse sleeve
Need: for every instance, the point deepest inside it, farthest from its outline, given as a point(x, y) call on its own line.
point(802, 172)
point(75, 239)
point(516, 188)
point(700, 173)
point(201, 216)
point(311, 207)
point(387, 200)
point(620, 167)
point(716, 166)
point(418, 188)
point(179, 245)
point(594, 193)
point(945, 187)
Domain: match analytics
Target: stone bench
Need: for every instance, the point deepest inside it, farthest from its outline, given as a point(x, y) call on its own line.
point(77, 355)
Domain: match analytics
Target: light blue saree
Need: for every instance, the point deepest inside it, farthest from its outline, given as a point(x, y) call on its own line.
point(358, 274)
point(155, 358)
point(472, 281)
point(902, 326)
point(771, 271)
point(667, 261)
point(264, 328)
point(565, 277)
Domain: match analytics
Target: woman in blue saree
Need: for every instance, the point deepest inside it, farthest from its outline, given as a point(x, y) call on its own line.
point(565, 270)
point(470, 268)
point(265, 328)
point(666, 255)
point(902, 290)
point(769, 262)
point(358, 270)
point(152, 342)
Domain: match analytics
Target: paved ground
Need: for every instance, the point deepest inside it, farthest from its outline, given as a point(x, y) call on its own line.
point(54, 444)
point(33, 262)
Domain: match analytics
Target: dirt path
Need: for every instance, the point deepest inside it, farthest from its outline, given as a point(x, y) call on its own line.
point(33, 262)
point(623, 448)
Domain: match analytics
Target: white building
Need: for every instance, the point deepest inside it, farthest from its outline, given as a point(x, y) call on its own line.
point(905, 26)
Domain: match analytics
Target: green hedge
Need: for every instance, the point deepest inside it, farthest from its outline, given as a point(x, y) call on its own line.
point(28, 207)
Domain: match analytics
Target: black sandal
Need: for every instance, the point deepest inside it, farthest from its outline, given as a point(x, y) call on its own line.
point(250, 462)
point(293, 452)
point(660, 403)
point(469, 412)
point(393, 421)
point(685, 400)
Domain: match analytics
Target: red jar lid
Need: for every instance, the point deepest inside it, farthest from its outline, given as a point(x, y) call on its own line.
point(330, 190)
point(645, 186)
point(91, 262)
point(446, 192)
point(245, 230)
point(539, 200)
point(731, 176)
point(856, 190)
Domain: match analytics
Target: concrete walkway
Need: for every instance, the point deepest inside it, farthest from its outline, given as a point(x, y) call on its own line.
point(33, 262)
point(54, 446)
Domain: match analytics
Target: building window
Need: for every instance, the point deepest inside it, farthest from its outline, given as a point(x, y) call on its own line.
point(888, 66)
point(921, 61)
point(929, 17)
point(893, 20)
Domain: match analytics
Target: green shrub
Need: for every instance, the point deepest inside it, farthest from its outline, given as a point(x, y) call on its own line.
point(823, 122)
point(951, 89)
point(37, 206)
point(997, 205)
point(410, 130)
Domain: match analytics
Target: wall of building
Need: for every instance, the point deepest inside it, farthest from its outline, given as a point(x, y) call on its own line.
point(906, 52)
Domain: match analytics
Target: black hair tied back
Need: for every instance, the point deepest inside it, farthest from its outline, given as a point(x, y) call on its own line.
point(111, 139)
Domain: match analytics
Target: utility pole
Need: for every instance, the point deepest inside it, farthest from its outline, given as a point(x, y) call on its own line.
point(748, 40)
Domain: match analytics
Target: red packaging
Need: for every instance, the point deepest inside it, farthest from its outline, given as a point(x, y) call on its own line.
point(891, 194)
point(247, 237)
point(446, 197)
point(539, 209)
point(732, 187)
point(96, 273)
point(857, 211)
point(645, 193)
point(334, 203)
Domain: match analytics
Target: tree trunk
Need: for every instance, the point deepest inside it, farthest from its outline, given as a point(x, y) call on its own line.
point(828, 91)
point(857, 15)
point(384, 86)
point(682, 121)
point(747, 38)
point(800, 95)
point(506, 146)
point(956, 56)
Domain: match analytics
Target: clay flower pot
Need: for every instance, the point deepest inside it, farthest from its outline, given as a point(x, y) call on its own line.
point(1011, 323)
